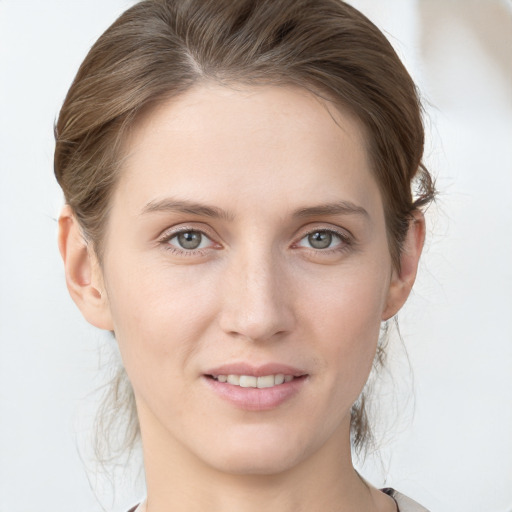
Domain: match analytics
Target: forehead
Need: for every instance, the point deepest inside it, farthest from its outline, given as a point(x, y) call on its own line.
point(228, 144)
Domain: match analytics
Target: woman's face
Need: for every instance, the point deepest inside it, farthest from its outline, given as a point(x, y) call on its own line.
point(247, 239)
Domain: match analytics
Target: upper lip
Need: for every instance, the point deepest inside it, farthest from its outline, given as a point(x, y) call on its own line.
point(256, 371)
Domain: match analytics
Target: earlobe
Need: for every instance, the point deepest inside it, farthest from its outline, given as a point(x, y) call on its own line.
point(403, 279)
point(83, 274)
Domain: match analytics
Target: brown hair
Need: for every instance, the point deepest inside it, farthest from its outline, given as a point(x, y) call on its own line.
point(161, 48)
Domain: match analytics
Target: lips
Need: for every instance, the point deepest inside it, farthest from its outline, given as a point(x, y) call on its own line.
point(255, 388)
point(256, 371)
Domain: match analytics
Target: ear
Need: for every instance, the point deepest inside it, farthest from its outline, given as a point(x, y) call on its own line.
point(84, 278)
point(403, 279)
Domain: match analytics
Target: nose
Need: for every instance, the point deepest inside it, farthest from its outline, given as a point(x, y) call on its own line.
point(256, 301)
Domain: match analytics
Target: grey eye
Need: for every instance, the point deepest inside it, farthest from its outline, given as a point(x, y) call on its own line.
point(189, 239)
point(320, 239)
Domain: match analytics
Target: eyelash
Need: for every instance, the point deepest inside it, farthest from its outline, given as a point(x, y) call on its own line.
point(346, 241)
point(167, 237)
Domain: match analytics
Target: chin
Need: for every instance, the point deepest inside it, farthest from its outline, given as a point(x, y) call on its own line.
point(260, 454)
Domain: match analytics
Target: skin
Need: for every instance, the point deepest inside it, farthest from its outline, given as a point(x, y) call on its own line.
point(256, 290)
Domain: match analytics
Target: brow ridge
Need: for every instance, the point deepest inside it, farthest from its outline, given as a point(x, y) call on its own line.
point(336, 208)
point(200, 209)
point(185, 206)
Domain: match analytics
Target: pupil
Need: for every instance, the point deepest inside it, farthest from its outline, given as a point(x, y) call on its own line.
point(320, 239)
point(189, 239)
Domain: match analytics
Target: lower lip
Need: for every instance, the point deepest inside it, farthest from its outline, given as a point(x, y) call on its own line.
point(256, 399)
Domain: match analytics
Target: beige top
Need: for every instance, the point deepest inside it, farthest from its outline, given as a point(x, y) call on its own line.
point(404, 504)
point(140, 508)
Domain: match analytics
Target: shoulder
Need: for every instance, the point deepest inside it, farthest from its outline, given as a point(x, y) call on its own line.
point(404, 503)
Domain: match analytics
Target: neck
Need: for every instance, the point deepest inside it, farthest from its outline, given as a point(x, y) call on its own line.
point(326, 480)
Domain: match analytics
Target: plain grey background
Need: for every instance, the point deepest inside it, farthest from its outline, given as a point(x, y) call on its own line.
point(452, 449)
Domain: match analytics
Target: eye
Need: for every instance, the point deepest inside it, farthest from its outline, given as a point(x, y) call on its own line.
point(189, 240)
point(322, 239)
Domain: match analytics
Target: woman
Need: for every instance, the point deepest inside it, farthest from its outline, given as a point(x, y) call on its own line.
point(239, 212)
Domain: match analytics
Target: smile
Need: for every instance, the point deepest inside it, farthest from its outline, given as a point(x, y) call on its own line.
point(251, 388)
point(251, 381)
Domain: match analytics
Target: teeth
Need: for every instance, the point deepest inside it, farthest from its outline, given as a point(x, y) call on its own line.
point(279, 379)
point(266, 382)
point(250, 381)
point(233, 379)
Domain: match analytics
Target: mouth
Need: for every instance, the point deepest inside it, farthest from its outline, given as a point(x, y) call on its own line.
point(251, 381)
point(251, 388)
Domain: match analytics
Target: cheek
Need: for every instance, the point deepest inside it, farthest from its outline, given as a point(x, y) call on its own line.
point(344, 314)
point(160, 317)
point(159, 313)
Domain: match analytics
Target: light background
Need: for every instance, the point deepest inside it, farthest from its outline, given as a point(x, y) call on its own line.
point(453, 450)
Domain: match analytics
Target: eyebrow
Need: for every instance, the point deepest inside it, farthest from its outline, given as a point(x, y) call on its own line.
point(190, 207)
point(337, 208)
point(204, 210)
